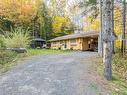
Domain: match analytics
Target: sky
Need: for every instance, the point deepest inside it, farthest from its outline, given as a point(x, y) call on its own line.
point(70, 3)
point(77, 19)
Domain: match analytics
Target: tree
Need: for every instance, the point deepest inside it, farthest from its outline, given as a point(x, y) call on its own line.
point(112, 15)
point(5, 24)
point(93, 2)
point(107, 38)
point(45, 20)
point(18, 12)
point(100, 46)
point(123, 44)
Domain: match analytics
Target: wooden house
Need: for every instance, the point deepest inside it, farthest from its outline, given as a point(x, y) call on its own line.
point(78, 41)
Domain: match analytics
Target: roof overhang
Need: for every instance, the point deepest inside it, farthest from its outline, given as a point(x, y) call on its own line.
point(38, 39)
point(77, 35)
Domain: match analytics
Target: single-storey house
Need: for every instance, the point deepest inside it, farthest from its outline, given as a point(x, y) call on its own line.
point(78, 41)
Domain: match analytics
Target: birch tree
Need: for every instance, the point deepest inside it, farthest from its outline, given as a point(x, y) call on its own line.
point(107, 38)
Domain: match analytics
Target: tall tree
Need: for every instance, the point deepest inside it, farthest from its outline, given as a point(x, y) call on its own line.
point(18, 12)
point(123, 44)
point(107, 38)
point(113, 44)
point(45, 20)
point(100, 46)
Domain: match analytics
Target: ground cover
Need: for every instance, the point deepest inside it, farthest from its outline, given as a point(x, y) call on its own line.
point(8, 58)
point(118, 84)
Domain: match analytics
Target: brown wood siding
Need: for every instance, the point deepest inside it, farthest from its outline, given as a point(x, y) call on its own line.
point(75, 44)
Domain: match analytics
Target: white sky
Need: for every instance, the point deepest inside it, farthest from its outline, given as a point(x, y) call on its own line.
point(77, 19)
point(70, 3)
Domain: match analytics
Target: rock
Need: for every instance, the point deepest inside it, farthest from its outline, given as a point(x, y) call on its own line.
point(18, 50)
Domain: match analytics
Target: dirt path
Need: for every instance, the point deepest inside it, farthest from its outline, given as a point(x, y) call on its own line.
point(61, 74)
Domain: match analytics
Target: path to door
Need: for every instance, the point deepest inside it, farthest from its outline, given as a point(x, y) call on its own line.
point(58, 74)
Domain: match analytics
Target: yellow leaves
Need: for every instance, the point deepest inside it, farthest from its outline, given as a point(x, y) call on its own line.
point(91, 25)
point(17, 10)
point(58, 22)
point(118, 43)
point(95, 25)
point(117, 20)
point(117, 24)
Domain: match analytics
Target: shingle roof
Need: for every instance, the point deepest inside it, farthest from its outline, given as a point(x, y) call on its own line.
point(77, 35)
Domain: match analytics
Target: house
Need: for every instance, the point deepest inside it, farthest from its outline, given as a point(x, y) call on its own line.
point(77, 41)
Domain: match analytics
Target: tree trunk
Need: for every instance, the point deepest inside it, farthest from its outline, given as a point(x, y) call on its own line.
point(100, 39)
point(113, 42)
point(107, 38)
point(123, 44)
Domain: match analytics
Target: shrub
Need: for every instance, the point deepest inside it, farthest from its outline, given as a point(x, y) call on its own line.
point(7, 56)
point(120, 65)
point(18, 38)
point(2, 44)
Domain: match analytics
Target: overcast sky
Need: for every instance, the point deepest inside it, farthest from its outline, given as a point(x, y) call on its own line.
point(77, 19)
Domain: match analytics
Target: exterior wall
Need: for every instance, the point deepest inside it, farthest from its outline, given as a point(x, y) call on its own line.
point(85, 45)
point(55, 45)
point(73, 44)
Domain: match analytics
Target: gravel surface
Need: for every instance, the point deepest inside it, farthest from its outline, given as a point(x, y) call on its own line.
point(56, 74)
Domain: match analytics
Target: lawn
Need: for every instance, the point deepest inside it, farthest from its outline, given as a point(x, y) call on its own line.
point(9, 59)
point(118, 84)
point(33, 52)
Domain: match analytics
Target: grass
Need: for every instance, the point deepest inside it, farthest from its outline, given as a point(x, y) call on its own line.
point(33, 52)
point(17, 38)
point(118, 84)
point(8, 59)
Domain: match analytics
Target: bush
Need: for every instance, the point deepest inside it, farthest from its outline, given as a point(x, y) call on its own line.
point(2, 44)
point(7, 56)
point(18, 38)
point(120, 65)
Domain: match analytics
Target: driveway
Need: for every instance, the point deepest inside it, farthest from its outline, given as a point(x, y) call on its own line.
point(57, 74)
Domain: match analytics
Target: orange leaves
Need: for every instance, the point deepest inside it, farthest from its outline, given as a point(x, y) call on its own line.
point(17, 10)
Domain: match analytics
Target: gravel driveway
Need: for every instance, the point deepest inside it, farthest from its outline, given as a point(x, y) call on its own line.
point(56, 74)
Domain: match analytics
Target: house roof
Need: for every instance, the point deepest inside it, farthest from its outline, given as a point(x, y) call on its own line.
point(76, 35)
point(38, 39)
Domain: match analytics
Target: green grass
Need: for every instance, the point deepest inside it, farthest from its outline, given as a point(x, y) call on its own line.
point(117, 85)
point(33, 52)
point(8, 59)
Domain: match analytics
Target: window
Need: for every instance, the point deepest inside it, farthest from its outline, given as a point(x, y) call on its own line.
point(73, 41)
point(61, 42)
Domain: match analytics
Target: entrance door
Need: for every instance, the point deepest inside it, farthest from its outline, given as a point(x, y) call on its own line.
point(93, 44)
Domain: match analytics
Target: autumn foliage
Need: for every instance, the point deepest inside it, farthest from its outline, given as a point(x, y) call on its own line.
point(33, 14)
